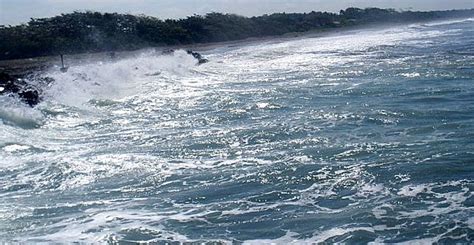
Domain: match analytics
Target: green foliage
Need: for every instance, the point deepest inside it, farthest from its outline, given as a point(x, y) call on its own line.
point(80, 32)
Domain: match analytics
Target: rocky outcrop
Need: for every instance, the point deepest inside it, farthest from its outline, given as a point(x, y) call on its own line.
point(17, 86)
point(201, 60)
point(198, 56)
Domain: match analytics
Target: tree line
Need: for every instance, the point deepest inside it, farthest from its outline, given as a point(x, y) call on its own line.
point(81, 32)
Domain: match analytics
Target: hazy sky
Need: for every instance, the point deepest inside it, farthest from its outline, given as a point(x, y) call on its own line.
point(17, 11)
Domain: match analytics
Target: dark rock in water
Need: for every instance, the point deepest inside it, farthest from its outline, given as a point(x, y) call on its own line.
point(202, 61)
point(12, 85)
point(8, 84)
point(167, 52)
point(198, 56)
point(31, 97)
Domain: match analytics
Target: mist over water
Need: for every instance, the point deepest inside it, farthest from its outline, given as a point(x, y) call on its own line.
point(363, 136)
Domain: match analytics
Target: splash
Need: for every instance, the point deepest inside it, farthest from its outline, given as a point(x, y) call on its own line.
point(306, 140)
point(16, 113)
point(113, 80)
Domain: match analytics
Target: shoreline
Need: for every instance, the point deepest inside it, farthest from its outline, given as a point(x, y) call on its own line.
point(36, 65)
point(23, 67)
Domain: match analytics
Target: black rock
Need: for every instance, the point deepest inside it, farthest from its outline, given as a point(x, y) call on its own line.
point(17, 86)
point(197, 56)
point(8, 84)
point(167, 52)
point(31, 97)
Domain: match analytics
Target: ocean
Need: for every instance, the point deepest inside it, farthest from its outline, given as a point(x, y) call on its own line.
point(353, 137)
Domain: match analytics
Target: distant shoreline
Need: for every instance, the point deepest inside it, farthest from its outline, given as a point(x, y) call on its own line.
point(22, 67)
point(95, 32)
point(27, 66)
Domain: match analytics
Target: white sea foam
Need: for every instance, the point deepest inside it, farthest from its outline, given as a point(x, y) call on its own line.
point(449, 22)
point(263, 133)
point(16, 147)
point(412, 191)
point(101, 226)
point(114, 80)
point(15, 112)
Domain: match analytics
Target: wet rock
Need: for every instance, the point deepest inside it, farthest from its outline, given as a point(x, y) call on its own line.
point(167, 52)
point(17, 86)
point(197, 56)
point(31, 97)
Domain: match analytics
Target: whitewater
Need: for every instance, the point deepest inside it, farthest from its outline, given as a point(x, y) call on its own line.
point(358, 136)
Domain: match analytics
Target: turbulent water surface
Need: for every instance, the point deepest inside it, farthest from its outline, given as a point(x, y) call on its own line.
point(363, 136)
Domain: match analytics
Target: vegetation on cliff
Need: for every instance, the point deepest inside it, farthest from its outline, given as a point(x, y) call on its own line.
point(81, 32)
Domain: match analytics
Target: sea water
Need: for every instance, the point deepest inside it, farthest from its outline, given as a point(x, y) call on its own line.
point(360, 136)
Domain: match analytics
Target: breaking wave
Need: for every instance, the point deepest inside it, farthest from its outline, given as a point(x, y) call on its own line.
point(354, 137)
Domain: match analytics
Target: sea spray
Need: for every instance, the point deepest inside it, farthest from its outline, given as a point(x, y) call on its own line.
point(113, 80)
point(356, 137)
point(15, 112)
